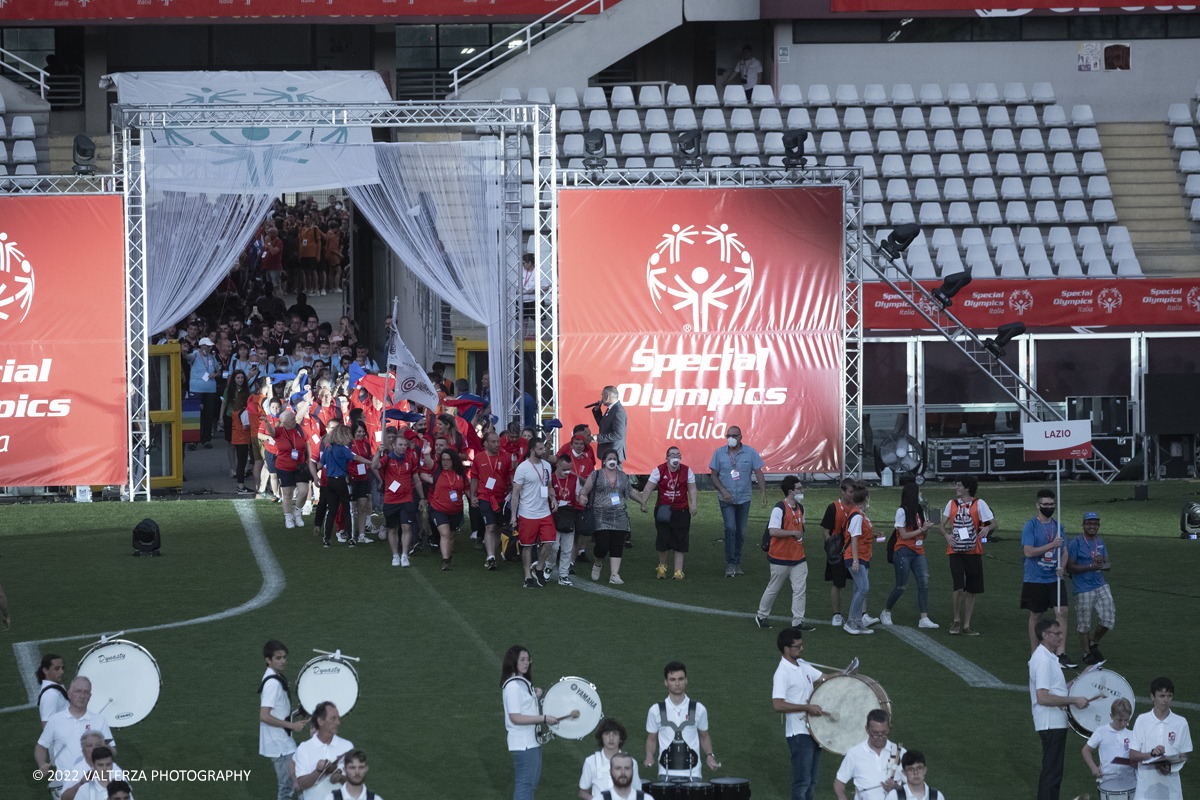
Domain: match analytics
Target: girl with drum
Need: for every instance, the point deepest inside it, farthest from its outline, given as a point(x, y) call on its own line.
point(520, 718)
point(449, 484)
point(597, 768)
point(606, 490)
point(909, 555)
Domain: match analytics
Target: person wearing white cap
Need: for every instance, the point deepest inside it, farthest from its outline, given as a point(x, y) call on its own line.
point(204, 383)
point(1087, 559)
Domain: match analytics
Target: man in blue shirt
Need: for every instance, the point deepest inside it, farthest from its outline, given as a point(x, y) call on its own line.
point(203, 381)
point(730, 468)
point(1045, 558)
point(1087, 558)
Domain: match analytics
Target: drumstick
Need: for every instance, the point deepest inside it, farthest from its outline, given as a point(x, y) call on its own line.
point(573, 715)
point(106, 705)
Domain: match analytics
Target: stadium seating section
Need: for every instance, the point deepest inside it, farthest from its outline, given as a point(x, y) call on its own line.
point(17, 153)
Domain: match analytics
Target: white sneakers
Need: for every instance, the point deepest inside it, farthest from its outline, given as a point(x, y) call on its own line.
point(615, 579)
point(395, 559)
point(838, 620)
point(856, 629)
point(868, 620)
point(288, 521)
point(404, 561)
point(926, 622)
point(297, 518)
point(597, 568)
point(307, 510)
point(885, 617)
point(362, 539)
point(341, 537)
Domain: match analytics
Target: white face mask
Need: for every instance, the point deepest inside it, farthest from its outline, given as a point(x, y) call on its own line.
point(799, 496)
point(610, 464)
point(732, 441)
point(674, 462)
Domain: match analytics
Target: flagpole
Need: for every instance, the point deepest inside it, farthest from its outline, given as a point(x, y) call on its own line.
point(387, 371)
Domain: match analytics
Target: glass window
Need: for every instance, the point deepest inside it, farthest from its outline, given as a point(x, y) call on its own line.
point(416, 36)
point(927, 30)
point(1082, 367)
point(157, 46)
point(262, 45)
point(502, 32)
point(1183, 26)
point(816, 31)
point(1044, 28)
point(31, 44)
point(463, 35)
point(951, 377)
point(1174, 355)
point(1142, 26)
point(885, 373)
point(996, 29)
point(1083, 28)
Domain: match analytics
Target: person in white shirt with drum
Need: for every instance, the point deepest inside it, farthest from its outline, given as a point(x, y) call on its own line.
point(59, 743)
point(80, 772)
point(319, 762)
point(873, 765)
point(1049, 697)
point(914, 788)
point(1110, 742)
point(1160, 733)
point(791, 690)
point(623, 775)
point(274, 727)
point(520, 718)
point(52, 696)
point(679, 728)
point(356, 775)
point(95, 781)
point(597, 768)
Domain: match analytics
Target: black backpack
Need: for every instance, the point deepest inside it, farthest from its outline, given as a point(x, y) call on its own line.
point(766, 540)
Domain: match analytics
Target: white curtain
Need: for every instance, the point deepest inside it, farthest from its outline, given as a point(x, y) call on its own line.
point(438, 206)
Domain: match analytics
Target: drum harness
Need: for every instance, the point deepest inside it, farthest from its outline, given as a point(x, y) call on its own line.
point(678, 756)
point(55, 687)
point(607, 794)
point(932, 794)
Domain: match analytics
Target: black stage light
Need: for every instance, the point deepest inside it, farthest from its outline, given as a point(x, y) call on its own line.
point(793, 148)
point(899, 240)
point(951, 285)
point(84, 155)
point(146, 539)
point(595, 147)
point(1004, 335)
point(688, 143)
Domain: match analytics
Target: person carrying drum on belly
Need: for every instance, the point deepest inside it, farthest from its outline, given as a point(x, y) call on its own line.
point(1110, 742)
point(915, 787)
point(791, 690)
point(679, 726)
point(623, 772)
point(873, 764)
point(274, 728)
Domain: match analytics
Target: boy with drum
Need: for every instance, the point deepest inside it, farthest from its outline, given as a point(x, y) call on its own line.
point(1111, 742)
point(274, 728)
point(1160, 732)
point(679, 726)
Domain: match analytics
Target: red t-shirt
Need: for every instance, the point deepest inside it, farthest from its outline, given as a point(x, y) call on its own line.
point(272, 262)
point(330, 412)
point(290, 449)
point(364, 448)
point(399, 475)
point(496, 468)
point(314, 432)
point(516, 450)
point(269, 442)
point(582, 465)
point(566, 489)
point(673, 486)
point(447, 493)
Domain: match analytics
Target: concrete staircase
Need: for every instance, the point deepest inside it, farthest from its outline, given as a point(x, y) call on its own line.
point(62, 149)
point(1145, 187)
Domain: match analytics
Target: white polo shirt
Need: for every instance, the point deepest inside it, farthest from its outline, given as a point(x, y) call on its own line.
point(909, 795)
point(691, 734)
point(535, 488)
point(345, 790)
point(1046, 673)
point(519, 699)
point(1173, 734)
point(793, 683)
point(1110, 744)
point(274, 742)
point(61, 736)
point(597, 774)
point(868, 769)
point(51, 701)
point(92, 790)
point(312, 751)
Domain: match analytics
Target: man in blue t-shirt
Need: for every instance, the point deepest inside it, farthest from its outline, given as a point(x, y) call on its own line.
point(1045, 558)
point(730, 468)
point(1087, 559)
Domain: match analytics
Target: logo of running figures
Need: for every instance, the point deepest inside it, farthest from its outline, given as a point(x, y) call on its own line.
point(707, 280)
point(1020, 301)
point(1193, 298)
point(1109, 300)
point(16, 281)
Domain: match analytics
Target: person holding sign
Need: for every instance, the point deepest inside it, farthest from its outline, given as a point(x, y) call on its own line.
point(966, 522)
point(1045, 560)
point(1087, 559)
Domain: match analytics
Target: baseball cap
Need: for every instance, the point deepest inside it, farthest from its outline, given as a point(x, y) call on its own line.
point(207, 341)
point(1091, 515)
point(579, 437)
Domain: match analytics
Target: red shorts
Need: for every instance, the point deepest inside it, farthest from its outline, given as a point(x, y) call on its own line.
point(532, 531)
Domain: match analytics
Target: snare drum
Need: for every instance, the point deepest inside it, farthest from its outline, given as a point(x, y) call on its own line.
point(846, 700)
point(667, 790)
point(125, 681)
point(695, 790)
point(327, 679)
point(570, 695)
point(1122, 787)
point(1109, 686)
point(730, 789)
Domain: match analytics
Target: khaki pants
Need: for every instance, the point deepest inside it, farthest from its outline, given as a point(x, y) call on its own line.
point(780, 572)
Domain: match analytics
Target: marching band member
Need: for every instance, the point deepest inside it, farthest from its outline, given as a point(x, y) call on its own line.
point(520, 716)
point(52, 697)
point(791, 690)
point(316, 760)
point(274, 728)
point(873, 764)
point(1160, 732)
point(679, 726)
point(597, 768)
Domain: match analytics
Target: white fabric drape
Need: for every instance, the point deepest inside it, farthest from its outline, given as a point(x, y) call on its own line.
point(438, 206)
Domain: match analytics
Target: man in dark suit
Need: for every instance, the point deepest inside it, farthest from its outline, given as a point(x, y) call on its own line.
point(611, 422)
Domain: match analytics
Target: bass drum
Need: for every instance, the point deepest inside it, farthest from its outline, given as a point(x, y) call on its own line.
point(327, 679)
point(568, 696)
point(846, 700)
point(125, 680)
point(1106, 686)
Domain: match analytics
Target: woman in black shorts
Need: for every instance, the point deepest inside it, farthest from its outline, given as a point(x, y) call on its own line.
point(360, 483)
point(448, 486)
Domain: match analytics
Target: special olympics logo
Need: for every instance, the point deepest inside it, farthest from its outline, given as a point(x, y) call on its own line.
point(1193, 298)
point(409, 384)
point(1109, 300)
point(1021, 300)
point(16, 280)
point(704, 285)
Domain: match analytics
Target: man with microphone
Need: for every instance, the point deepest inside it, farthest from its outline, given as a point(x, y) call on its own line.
point(611, 420)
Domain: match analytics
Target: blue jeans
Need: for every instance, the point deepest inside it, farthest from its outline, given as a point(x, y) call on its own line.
point(527, 764)
point(906, 560)
point(735, 516)
point(862, 585)
point(806, 765)
point(286, 790)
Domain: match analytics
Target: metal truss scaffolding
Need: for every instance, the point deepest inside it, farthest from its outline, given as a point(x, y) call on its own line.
point(849, 180)
point(509, 122)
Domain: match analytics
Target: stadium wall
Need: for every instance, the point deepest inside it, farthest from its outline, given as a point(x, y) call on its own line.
point(1164, 70)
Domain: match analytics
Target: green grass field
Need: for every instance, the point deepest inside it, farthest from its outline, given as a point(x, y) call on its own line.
point(429, 712)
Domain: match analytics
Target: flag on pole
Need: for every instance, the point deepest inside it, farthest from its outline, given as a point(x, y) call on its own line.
point(411, 381)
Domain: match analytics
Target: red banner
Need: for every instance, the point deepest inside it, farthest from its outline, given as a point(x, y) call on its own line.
point(1048, 303)
point(62, 341)
point(706, 308)
point(148, 9)
point(954, 5)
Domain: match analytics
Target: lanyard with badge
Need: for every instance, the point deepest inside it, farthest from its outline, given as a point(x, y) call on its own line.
point(1048, 556)
point(733, 470)
point(455, 481)
point(542, 480)
point(614, 496)
point(493, 468)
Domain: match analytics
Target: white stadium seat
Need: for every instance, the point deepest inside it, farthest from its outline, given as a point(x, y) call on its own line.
point(1122, 251)
point(931, 214)
point(573, 144)
point(1045, 212)
point(1082, 115)
point(1060, 139)
point(986, 93)
point(973, 141)
point(1040, 269)
point(883, 118)
point(678, 96)
point(897, 190)
point(684, 120)
point(984, 189)
point(797, 119)
point(746, 144)
point(827, 119)
point(706, 95)
point(599, 119)
point(958, 93)
point(773, 143)
point(916, 142)
point(769, 119)
point(1035, 164)
point(718, 162)
point(873, 214)
point(661, 144)
point(997, 117)
point(1031, 139)
point(902, 94)
point(874, 94)
point(921, 166)
point(22, 128)
point(988, 213)
point(762, 95)
point(1002, 140)
point(888, 142)
point(867, 163)
point(1043, 92)
point(1189, 161)
point(912, 117)
point(846, 94)
point(1070, 269)
point(713, 120)
point(1054, 115)
point(960, 214)
point(790, 95)
point(566, 98)
point(24, 152)
point(818, 95)
point(1074, 212)
point(570, 121)
point(1015, 93)
point(1064, 164)
point(3, 154)
point(1088, 139)
point(901, 214)
point(927, 190)
point(1007, 164)
point(1179, 114)
point(860, 142)
point(1016, 213)
point(622, 97)
point(1129, 268)
point(742, 119)
point(1098, 188)
point(1029, 236)
point(893, 166)
point(510, 95)
point(656, 120)
point(1093, 164)
point(1103, 211)
point(1012, 189)
point(979, 164)
point(1184, 138)
point(955, 189)
point(632, 145)
point(593, 97)
point(854, 119)
point(1069, 188)
point(931, 94)
point(968, 117)
point(651, 97)
point(717, 143)
point(940, 117)
point(734, 95)
point(1011, 269)
point(831, 142)
point(871, 191)
point(627, 120)
point(1117, 234)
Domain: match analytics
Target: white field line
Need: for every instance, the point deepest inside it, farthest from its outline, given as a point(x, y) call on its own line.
point(29, 654)
point(453, 614)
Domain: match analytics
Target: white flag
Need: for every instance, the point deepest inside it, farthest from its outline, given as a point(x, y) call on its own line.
point(411, 381)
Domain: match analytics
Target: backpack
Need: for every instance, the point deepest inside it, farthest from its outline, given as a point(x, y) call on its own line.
point(766, 540)
point(510, 546)
point(836, 543)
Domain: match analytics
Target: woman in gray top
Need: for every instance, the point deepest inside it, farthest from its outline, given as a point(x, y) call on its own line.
point(607, 490)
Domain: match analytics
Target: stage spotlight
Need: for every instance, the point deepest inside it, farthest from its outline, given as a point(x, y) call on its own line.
point(146, 539)
point(899, 240)
point(84, 155)
point(951, 285)
point(793, 148)
point(595, 147)
point(1004, 335)
point(689, 149)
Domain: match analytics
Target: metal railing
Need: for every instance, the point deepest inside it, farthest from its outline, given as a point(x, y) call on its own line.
point(512, 44)
point(433, 84)
point(37, 77)
point(64, 91)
